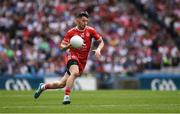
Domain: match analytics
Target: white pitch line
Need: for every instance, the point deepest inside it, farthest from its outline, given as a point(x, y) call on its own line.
point(134, 105)
point(15, 96)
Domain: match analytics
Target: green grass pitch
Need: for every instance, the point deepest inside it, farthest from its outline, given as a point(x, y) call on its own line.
point(101, 101)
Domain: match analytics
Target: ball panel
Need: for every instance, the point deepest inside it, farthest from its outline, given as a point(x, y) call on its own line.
point(76, 41)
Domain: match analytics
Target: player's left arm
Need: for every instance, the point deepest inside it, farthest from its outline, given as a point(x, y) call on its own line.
point(99, 48)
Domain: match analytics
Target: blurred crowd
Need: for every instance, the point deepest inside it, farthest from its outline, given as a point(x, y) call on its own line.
point(167, 10)
point(31, 30)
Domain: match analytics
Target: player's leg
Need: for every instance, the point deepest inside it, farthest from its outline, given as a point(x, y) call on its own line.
point(74, 72)
point(54, 85)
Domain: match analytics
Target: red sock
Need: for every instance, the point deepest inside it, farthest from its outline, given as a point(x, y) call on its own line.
point(67, 91)
point(47, 86)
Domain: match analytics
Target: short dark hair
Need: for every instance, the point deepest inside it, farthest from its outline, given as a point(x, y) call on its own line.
point(81, 14)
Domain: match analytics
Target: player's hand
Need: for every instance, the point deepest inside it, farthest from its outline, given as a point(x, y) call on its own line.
point(65, 45)
point(97, 53)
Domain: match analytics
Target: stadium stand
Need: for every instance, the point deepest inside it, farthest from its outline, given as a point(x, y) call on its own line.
point(30, 32)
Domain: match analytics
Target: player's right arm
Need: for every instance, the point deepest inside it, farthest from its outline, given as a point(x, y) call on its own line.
point(65, 44)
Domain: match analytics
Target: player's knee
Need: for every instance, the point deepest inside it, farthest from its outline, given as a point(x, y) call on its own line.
point(75, 73)
point(74, 70)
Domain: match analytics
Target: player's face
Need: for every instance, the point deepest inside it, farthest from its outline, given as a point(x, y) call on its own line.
point(82, 22)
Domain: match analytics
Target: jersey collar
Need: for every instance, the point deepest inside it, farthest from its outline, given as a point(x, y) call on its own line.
point(80, 30)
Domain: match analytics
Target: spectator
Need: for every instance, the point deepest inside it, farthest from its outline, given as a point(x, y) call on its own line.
point(31, 30)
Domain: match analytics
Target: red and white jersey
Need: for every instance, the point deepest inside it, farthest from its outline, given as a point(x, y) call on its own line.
point(81, 54)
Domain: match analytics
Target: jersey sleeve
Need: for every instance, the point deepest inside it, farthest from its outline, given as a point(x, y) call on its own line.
point(95, 34)
point(67, 37)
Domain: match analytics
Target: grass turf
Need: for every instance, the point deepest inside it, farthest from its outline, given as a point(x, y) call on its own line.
point(101, 101)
